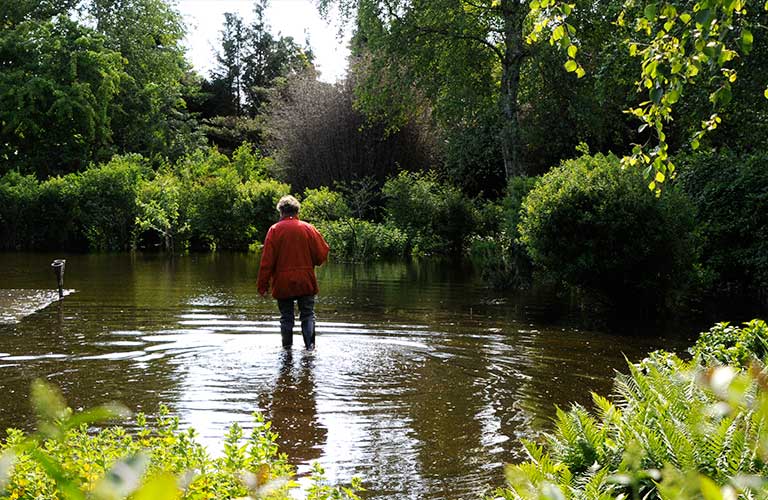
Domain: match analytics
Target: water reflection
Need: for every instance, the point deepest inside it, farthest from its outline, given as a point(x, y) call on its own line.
point(292, 408)
point(422, 383)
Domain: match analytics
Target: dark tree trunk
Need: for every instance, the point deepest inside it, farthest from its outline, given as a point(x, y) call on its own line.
point(513, 13)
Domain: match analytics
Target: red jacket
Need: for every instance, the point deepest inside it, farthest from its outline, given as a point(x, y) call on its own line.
point(291, 251)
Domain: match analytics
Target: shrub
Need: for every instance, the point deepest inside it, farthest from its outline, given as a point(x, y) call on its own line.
point(498, 255)
point(358, 240)
point(250, 163)
point(64, 460)
point(437, 218)
point(230, 214)
point(730, 345)
point(594, 225)
point(323, 205)
point(262, 197)
point(162, 211)
point(676, 430)
point(500, 261)
point(19, 195)
point(730, 193)
point(106, 200)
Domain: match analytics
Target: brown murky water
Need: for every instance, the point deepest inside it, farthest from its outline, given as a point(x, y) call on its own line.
point(422, 383)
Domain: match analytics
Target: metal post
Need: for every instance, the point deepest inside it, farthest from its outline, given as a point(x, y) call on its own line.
point(58, 270)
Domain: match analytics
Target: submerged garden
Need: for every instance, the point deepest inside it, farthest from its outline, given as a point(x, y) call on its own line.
point(609, 157)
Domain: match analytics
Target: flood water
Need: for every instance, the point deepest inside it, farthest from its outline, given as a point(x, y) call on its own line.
point(422, 383)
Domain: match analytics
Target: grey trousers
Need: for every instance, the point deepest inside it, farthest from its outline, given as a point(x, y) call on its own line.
point(306, 316)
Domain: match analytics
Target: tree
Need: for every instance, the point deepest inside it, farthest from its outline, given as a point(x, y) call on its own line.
point(150, 115)
point(58, 83)
point(681, 45)
point(269, 58)
point(321, 139)
point(464, 55)
point(227, 78)
point(250, 61)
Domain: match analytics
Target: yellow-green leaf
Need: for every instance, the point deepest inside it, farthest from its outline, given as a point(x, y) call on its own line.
point(650, 11)
point(709, 489)
point(746, 41)
point(162, 486)
point(572, 49)
point(766, 93)
point(660, 177)
point(571, 66)
point(558, 33)
point(580, 72)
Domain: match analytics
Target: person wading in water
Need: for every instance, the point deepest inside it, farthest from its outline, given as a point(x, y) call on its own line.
point(291, 251)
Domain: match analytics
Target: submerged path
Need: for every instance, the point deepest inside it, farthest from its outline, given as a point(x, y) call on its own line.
point(17, 303)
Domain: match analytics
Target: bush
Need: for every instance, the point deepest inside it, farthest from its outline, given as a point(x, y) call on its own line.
point(65, 460)
point(594, 225)
point(677, 430)
point(437, 218)
point(204, 197)
point(19, 196)
point(162, 212)
point(262, 197)
point(106, 202)
point(730, 194)
point(323, 205)
point(358, 240)
point(498, 255)
point(500, 261)
point(229, 214)
point(731, 345)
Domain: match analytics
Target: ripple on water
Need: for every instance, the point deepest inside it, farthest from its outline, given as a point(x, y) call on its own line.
point(422, 382)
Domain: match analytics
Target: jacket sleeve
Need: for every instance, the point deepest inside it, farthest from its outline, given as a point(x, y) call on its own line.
point(267, 266)
point(318, 247)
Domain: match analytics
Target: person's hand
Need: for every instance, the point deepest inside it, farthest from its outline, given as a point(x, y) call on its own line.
point(263, 292)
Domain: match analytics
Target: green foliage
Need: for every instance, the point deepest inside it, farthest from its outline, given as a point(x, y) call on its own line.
point(730, 193)
point(732, 345)
point(500, 260)
point(106, 202)
point(681, 45)
point(162, 209)
point(250, 62)
point(675, 429)
point(18, 194)
point(148, 115)
point(85, 80)
point(39, 215)
point(498, 254)
point(205, 198)
point(437, 217)
point(358, 240)
point(322, 204)
point(459, 60)
point(58, 81)
point(65, 459)
point(250, 163)
point(231, 214)
point(592, 224)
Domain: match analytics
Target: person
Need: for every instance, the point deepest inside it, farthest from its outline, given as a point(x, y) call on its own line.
point(291, 251)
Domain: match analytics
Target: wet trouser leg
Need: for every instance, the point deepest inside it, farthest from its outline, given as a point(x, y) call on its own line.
point(286, 320)
point(307, 316)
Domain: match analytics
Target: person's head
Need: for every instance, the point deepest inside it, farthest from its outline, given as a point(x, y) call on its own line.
point(288, 206)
